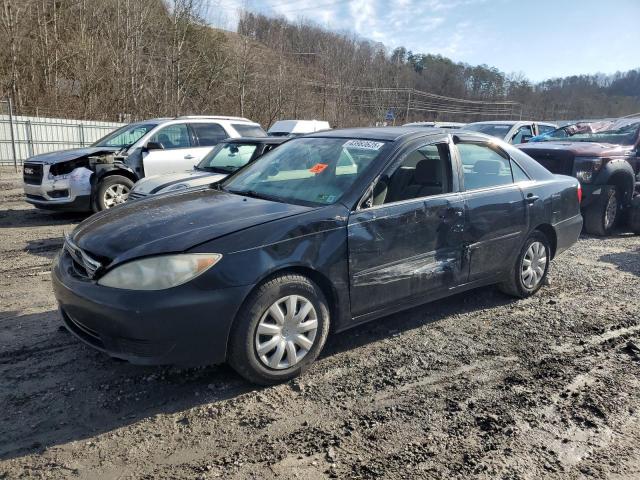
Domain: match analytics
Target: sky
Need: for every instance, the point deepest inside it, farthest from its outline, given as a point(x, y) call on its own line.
point(540, 38)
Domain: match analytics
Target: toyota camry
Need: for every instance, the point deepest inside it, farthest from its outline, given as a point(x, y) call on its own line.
point(321, 234)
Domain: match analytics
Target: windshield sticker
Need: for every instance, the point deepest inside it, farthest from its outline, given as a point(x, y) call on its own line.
point(323, 197)
point(363, 144)
point(318, 167)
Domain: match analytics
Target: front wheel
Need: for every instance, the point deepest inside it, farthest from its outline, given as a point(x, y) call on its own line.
point(530, 269)
point(601, 216)
point(280, 330)
point(112, 191)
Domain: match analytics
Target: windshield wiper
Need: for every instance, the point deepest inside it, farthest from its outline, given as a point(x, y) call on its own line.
point(254, 194)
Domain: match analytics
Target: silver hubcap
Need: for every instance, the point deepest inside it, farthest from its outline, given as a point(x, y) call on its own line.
point(115, 195)
point(286, 332)
point(533, 265)
point(611, 211)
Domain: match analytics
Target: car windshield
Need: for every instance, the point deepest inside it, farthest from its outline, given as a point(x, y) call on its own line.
point(617, 132)
point(307, 171)
point(494, 129)
point(125, 136)
point(227, 157)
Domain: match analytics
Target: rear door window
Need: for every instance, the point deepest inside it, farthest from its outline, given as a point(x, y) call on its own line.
point(173, 136)
point(483, 166)
point(209, 134)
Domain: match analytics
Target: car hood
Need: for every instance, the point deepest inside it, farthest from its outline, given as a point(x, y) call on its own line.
point(59, 156)
point(192, 178)
point(583, 149)
point(173, 222)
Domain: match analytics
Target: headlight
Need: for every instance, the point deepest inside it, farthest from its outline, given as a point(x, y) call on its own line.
point(587, 167)
point(158, 273)
point(177, 186)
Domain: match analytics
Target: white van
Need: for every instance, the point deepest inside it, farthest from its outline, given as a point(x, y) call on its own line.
point(295, 128)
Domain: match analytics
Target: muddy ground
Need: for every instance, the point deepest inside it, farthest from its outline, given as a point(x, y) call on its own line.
point(478, 385)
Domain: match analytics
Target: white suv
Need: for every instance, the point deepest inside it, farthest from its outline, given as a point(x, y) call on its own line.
point(101, 176)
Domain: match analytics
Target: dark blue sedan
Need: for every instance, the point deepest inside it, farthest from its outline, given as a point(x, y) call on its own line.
point(323, 233)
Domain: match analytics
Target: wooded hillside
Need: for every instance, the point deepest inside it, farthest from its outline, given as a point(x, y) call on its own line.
point(128, 59)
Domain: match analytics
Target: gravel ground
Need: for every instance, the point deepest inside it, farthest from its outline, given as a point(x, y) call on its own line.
point(478, 385)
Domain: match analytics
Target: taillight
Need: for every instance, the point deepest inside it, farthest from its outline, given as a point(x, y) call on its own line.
point(579, 193)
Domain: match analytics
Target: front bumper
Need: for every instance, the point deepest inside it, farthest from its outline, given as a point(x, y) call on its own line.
point(184, 325)
point(72, 193)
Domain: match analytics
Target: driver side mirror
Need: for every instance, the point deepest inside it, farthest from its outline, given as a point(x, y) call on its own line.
point(154, 146)
point(525, 138)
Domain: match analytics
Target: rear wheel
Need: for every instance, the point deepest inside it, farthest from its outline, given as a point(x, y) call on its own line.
point(279, 331)
point(112, 191)
point(530, 268)
point(601, 216)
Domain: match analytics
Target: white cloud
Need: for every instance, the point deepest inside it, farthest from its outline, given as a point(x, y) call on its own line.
point(426, 26)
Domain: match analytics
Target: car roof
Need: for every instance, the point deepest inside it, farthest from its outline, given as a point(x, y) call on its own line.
point(268, 140)
point(216, 118)
point(377, 133)
point(499, 122)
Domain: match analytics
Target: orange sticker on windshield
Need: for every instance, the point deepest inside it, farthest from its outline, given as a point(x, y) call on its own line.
point(318, 167)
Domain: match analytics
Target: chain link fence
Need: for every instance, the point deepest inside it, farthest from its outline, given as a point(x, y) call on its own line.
point(23, 136)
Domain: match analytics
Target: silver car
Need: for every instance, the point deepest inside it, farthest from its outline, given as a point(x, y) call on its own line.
point(225, 159)
point(100, 176)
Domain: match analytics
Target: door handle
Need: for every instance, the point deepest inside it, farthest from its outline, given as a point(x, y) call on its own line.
point(531, 198)
point(188, 157)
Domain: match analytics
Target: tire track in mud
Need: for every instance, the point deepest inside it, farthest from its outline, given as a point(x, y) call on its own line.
point(10, 356)
point(41, 267)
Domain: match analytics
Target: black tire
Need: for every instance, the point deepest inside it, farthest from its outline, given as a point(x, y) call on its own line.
point(242, 354)
point(514, 285)
point(108, 182)
point(595, 215)
point(634, 216)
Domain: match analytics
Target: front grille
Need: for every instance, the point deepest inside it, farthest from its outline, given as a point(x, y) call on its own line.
point(555, 161)
point(58, 193)
point(32, 173)
point(83, 265)
point(136, 195)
